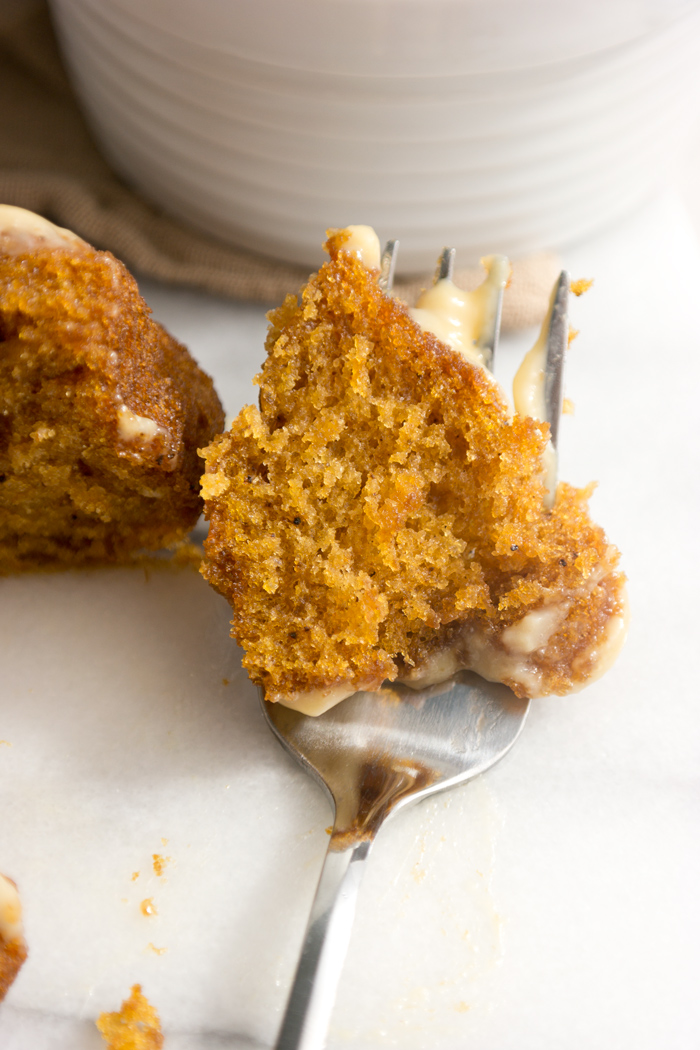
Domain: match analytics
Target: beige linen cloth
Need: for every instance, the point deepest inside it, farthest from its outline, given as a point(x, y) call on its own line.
point(50, 164)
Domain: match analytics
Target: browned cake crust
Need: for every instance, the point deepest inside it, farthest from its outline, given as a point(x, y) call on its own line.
point(383, 505)
point(11, 958)
point(80, 360)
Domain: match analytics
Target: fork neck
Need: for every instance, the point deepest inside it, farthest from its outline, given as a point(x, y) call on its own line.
point(371, 793)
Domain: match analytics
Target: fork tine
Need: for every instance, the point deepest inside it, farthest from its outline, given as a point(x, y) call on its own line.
point(491, 331)
point(388, 267)
point(445, 266)
point(557, 341)
point(490, 334)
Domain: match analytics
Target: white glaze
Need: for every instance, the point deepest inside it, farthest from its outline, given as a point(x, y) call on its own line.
point(318, 701)
point(363, 242)
point(535, 629)
point(11, 929)
point(137, 428)
point(603, 654)
point(437, 668)
point(497, 665)
point(22, 230)
point(528, 384)
point(458, 318)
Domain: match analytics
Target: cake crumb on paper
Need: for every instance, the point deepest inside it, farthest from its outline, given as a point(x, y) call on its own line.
point(160, 863)
point(136, 1026)
point(150, 947)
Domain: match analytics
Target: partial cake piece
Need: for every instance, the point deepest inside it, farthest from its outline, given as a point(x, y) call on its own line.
point(13, 949)
point(381, 515)
point(101, 411)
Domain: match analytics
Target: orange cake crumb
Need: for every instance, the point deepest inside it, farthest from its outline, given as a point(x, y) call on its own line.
point(135, 1027)
point(160, 863)
point(101, 411)
point(382, 511)
point(150, 947)
point(582, 285)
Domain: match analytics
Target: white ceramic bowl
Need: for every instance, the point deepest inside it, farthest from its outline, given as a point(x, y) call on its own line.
point(264, 123)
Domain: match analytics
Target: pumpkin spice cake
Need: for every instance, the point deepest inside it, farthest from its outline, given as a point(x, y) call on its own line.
point(381, 515)
point(101, 411)
point(13, 948)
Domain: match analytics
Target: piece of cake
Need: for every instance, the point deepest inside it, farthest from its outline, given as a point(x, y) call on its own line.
point(381, 515)
point(13, 948)
point(101, 411)
point(135, 1027)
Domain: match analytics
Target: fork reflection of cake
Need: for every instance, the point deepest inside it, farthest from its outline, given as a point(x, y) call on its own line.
point(13, 949)
point(381, 515)
point(101, 411)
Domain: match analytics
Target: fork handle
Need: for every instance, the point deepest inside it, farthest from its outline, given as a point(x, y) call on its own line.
point(326, 942)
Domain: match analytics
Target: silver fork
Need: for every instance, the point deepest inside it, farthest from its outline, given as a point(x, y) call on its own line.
point(376, 753)
point(557, 342)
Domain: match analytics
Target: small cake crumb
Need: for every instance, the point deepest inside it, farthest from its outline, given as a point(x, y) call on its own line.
point(150, 947)
point(135, 1027)
point(147, 907)
point(160, 863)
point(573, 332)
point(581, 286)
point(567, 406)
point(135, 875)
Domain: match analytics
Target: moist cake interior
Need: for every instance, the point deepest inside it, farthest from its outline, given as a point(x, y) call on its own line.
point(381, 514)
